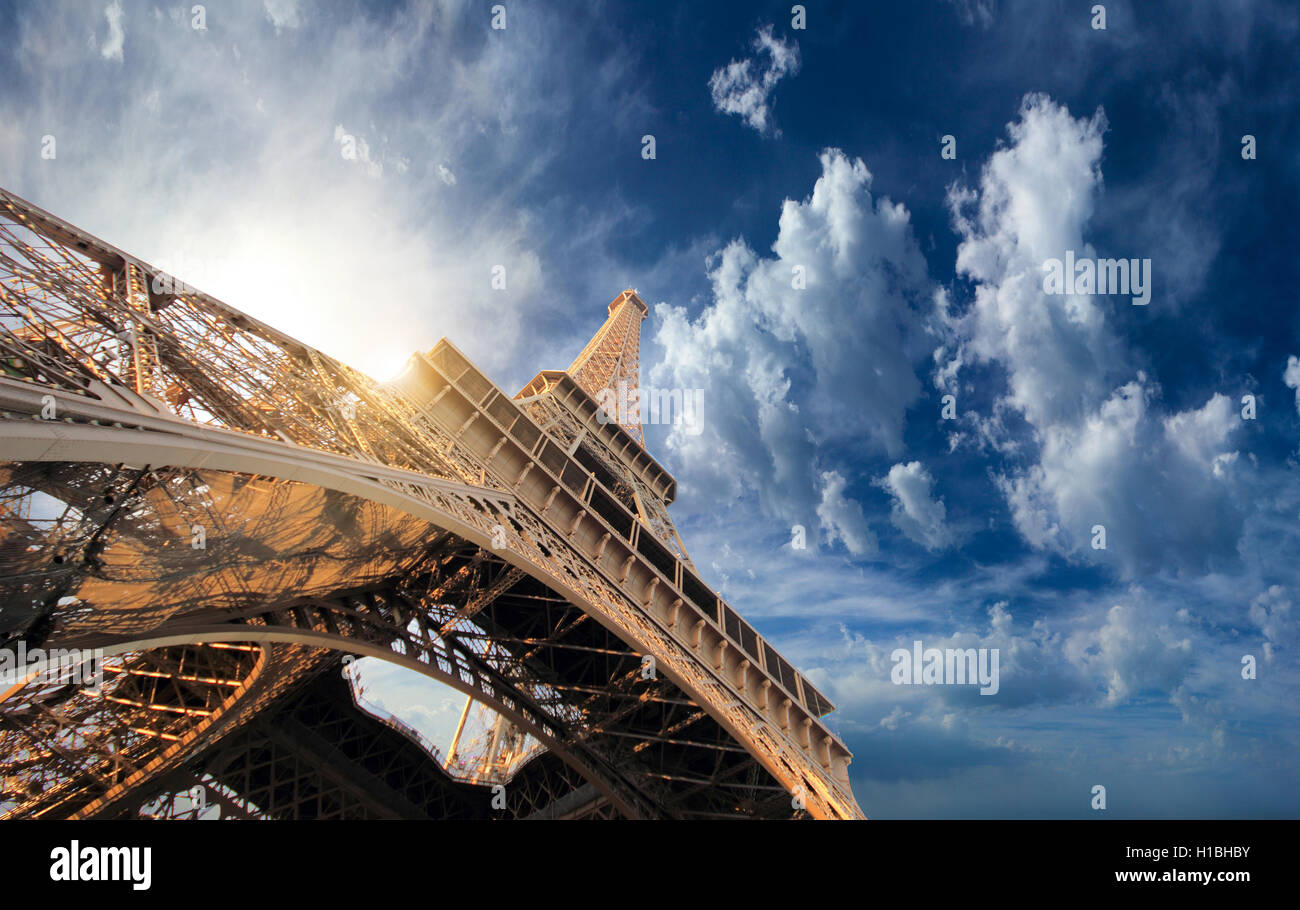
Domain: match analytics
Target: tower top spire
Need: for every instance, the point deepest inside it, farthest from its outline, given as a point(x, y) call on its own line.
point(611, 361)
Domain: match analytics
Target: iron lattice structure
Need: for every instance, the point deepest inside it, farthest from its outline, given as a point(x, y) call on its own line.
point(226, 514)
point(610, 363)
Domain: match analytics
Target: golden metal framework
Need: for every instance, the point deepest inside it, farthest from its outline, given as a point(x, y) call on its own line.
point(610, 361)
point(225, 512)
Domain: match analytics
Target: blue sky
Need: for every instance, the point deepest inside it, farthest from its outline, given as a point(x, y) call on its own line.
point(353, 177)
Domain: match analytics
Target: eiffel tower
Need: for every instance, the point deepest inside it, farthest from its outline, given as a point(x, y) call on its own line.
point(221, 520)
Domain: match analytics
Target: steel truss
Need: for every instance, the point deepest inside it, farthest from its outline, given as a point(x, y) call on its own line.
point(225, 511)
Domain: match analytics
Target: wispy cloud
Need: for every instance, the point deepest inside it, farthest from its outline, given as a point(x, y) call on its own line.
point(744, 87)
point(298, 178)
point(112, 46)
point(1291, 376)
point(282, 13)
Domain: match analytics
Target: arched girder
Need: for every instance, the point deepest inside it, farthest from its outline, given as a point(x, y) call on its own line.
point(472, 513)
point(510, 707)
point(148, 713)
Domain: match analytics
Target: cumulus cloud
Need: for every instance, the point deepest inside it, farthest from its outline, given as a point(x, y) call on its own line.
point(817, 344)
point(112, 47)
point(1161, 485)
point(1034, 668)
point(842, 518)
point(1034, 199)
point(1201, 435)
point(1161, 490)
point(1134, 652)
point(1291, 376)
point(446, 176)
point(915, 512)
point(1141, 647)
point(744, 87)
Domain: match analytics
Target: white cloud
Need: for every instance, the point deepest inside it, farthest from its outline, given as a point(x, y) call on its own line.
point(975, 12)
point(256, 182)
point(744, 87)
point(786, 369)
point(1135, 651)
point(1160, 489)
point(1201, 435)
point(282, 13)
point(842, 518)
point(915, 512)
point(112, 48)
point(890, 721)
point(1140, 647)
point(1160, 485)
point(1035, 197)
point(355, 148)
point(1273, 612)
point(1033, 668)
point(1291, 376)
point(446, 176)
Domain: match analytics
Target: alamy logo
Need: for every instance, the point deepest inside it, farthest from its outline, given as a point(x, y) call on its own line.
point(678, 407)
point(950, 667)
point(74, 666)
point(75, 863)
point(1099, 276)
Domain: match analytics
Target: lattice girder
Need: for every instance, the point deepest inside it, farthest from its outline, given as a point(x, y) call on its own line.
point(266, 444)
